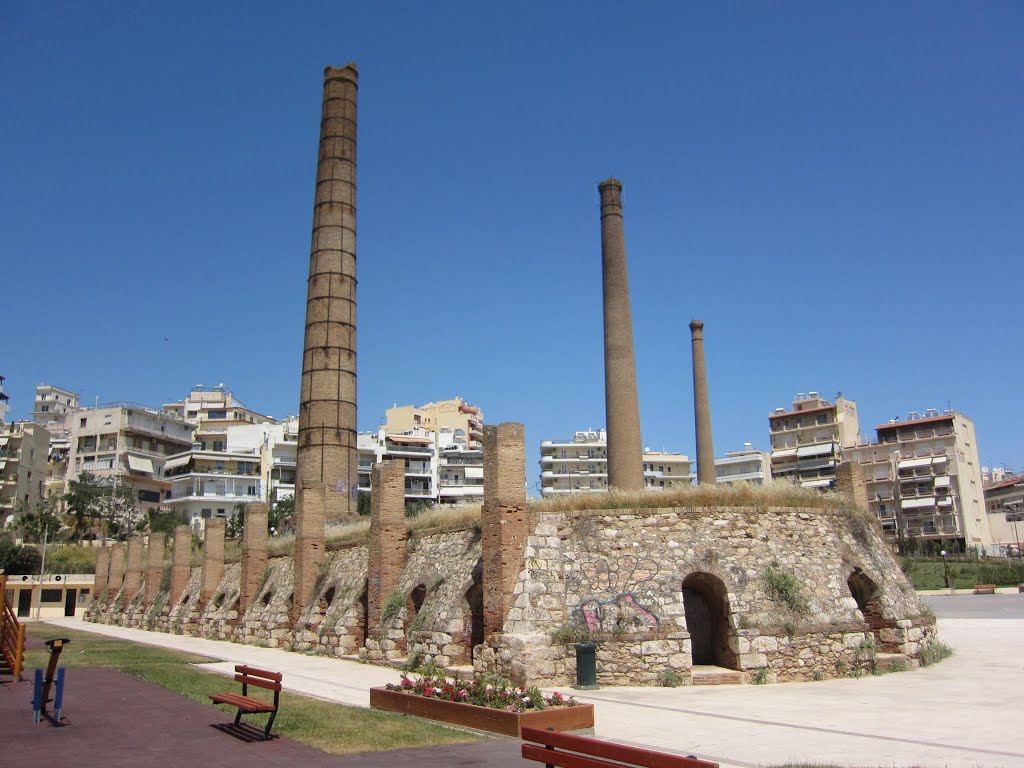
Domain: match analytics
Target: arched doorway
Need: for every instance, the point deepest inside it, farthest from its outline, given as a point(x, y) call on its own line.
point(706, 606)
point(867, 595)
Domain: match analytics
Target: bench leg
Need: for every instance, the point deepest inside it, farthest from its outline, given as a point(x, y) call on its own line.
point(270, 723)
point(238, 717)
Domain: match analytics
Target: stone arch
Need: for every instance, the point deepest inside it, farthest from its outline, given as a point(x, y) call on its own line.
point(868, 597)
point(706, 607)
point(414, 604)
point(473, 612)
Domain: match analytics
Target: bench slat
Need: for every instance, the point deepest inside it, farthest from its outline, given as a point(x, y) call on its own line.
point(247, 670)
point(242, 702)
point(596, 750)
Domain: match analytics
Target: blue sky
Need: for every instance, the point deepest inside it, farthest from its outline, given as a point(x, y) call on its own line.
point(835, 190)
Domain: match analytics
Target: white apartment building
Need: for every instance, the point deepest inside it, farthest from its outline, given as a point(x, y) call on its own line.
point(128, 441)
point(580, 465)
point(1004, 502)
point(53, 406)
point(439, 466)
point(24, 452)
point(465, 422)
point(807, 442)
point(924, 478)
point(746, 466)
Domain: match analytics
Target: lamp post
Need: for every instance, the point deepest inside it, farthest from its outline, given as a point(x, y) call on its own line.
point(945, 569)
point(1014, 511)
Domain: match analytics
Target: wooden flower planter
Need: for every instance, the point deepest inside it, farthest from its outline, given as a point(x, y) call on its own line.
point(484, 718)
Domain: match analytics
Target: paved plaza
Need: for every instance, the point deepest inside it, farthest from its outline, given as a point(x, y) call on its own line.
point(962, 712)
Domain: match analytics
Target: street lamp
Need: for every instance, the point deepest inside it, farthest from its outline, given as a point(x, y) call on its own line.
point(945, 568)
point(1014, 512)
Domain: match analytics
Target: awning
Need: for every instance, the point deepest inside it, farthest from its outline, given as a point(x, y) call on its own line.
point(928, 501)
point(815, 450)
point(177, 461)
point(945, 501)
point(784, 453)
point(940, 459)
point(410, 439)
point(140, 463)
point(942, 482)
point(911, 463)
point(815, 483)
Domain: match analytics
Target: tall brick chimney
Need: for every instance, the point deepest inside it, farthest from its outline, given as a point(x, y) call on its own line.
point(326, 476)
point(622, 408)
point(702, 407)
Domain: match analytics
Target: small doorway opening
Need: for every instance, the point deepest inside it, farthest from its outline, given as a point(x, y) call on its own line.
point(868, 597)
point(706, 606)
point(70, 600)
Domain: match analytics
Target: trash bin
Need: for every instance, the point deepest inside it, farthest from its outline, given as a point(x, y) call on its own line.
point(586, 666)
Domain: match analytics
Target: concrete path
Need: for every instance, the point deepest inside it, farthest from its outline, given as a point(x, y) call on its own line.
point(964, 712)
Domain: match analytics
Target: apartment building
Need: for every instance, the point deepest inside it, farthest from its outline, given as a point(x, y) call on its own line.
point(131, 442)
point(439, 466)
point(53, 407)
point(746, 466)
point(1004, 505)
point(924, 478)
point(462, 420)
point(4, 407)
point(214, 410)
point(807, 441)
point(24, 452)
point(580, 465)
point(209, 484)
point(278, 451)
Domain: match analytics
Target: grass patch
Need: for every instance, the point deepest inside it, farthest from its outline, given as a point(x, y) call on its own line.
point(779, 494)
point(394, 603)
point(669, 678)
point(332, 728)
point(928, 572)
point(460, 516)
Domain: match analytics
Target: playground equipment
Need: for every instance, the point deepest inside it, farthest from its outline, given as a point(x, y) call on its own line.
point(41, 694)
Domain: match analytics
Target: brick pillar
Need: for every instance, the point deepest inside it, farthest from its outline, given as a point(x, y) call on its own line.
point(181, 562)
point(622, 407)
point(213, 559)
point(115, 580)
point(388, 535)
point(154, 565)
point(254, 553)
point(326, 466)
point(702, 407)
point(309, 554)
point(505, 519)
point(850, 481)
point(133, 568)
point(102, 574)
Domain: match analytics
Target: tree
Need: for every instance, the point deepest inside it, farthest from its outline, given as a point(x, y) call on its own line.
point(280, 514)
point(104, 503)
point(165, 520)
point(43, 521)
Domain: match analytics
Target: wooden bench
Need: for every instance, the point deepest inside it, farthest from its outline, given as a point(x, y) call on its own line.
point(246, 704)
point(984, 589)
point(568, 751)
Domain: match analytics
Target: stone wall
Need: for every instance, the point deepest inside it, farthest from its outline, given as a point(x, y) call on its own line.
point(775, 594)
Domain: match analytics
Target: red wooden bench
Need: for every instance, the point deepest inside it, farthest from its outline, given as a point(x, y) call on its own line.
point(568, 751)
point(246, 704)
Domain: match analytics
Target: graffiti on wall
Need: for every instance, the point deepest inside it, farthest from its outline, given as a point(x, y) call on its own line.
point(611, 591)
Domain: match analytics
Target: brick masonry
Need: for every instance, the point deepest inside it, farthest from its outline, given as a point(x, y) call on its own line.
point(213, 558)
point(102, 573)
point(850, 481)
point(309, 555)
point(254, 553)
point(115, 579)
point(701, 407)
point(622, 407)
point(326, 467)
point(505, 518)
point(154, 565)
point(388, 549)
point(181, 562)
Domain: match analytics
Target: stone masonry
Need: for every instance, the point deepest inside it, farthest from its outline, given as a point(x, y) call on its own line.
point(133, 567)
point(326, 469)
point(622, 408)
point(213, 558)
point(504, 519)
point(702, 407)
point(181, 562)
point(388, 533)
point(254, 553)
point(154, 565)
point(102, 573)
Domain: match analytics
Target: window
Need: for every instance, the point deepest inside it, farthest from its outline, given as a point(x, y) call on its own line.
point(207, 513)
point(51, 596)
point(82, 423)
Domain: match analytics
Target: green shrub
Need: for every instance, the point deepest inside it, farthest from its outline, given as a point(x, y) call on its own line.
point(783, 588)
point(759, 676)
point(570, 633)
point(394, 603)
point(19, 560)
point(933, 652)
point(669, 678)
point(898, 665)
point(71, 560)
